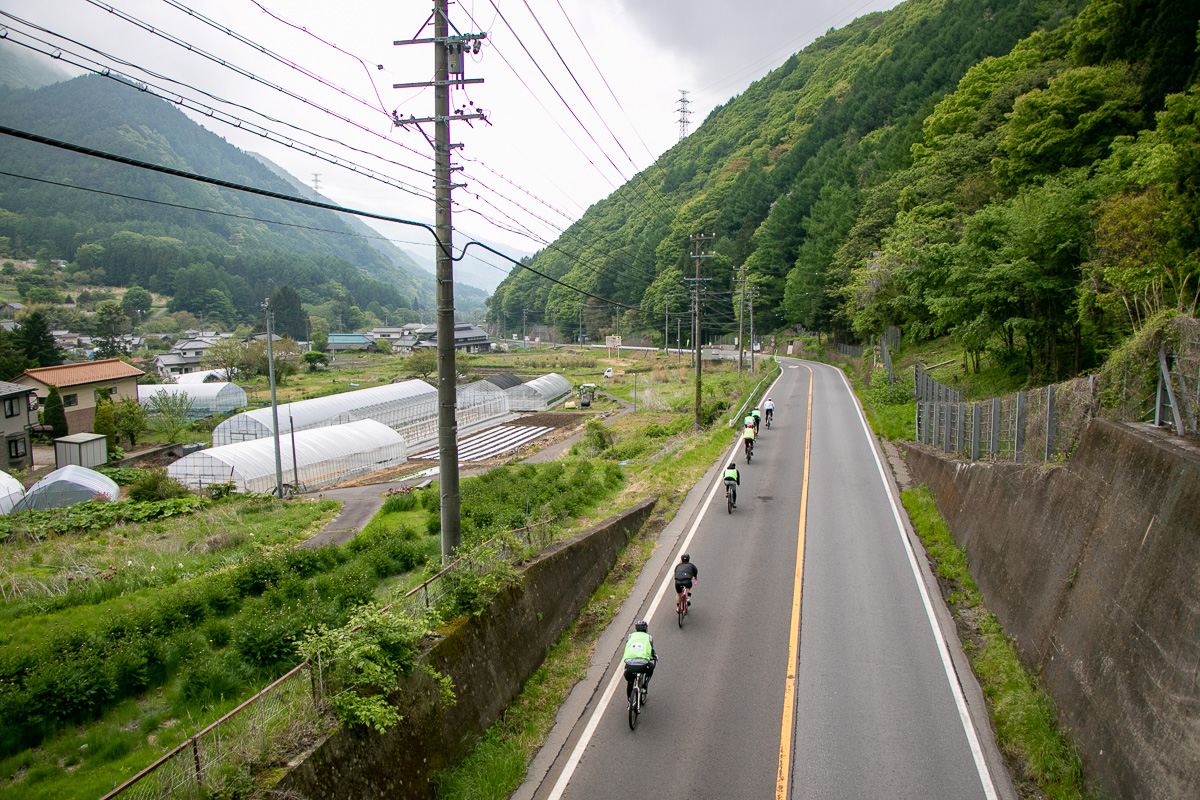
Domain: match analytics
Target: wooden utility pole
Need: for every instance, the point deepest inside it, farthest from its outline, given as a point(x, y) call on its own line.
point(698, 255)
point(448, 57)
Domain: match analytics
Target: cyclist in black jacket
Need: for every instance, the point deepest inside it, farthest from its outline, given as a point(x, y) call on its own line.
point(685, 573)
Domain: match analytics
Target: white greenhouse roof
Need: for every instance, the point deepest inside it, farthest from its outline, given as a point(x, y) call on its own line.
point(323, 456)
point(394, 404)
point(11, 491)
point(202, 376)
point(67, 486)
point(540, 393)
point(206, 397)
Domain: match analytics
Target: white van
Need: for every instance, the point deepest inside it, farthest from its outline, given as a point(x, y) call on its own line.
point(608, 372)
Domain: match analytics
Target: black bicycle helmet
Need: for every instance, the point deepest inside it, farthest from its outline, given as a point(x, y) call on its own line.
point(685, 558)
point(732, 465)
point(642, 626)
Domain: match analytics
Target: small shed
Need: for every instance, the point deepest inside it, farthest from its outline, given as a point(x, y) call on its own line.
point(11, 491)
point(66, 487)
point(81, 449)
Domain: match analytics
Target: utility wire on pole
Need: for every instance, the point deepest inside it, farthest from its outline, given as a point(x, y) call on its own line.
point(698, 255)
point(751, 298)
point(448, 56)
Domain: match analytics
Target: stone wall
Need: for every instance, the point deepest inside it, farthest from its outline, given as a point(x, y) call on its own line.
point(489, 657)
point(1093, 567)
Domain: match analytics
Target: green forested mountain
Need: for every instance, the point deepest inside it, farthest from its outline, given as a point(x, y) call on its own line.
point(986, 168)
point(23, 69)
point(177, 251)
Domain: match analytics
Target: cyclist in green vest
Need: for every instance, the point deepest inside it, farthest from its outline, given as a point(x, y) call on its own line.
point(748, 440)
point(639, 656)
point(748, 422)
point(732, 479)
point(757, 415)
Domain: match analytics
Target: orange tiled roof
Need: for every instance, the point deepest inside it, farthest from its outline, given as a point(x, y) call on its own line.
point(109, 369)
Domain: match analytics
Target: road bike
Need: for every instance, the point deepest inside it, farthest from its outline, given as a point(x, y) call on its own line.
point(637, 698)
point(681, 604)
point(729, 495)
point(749, 449)
point(769, 415)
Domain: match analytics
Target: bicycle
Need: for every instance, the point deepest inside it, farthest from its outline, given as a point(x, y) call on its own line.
point(768, 416)
point(749, 449)
point(729, 495)
point(681, 605)
point(637, 698)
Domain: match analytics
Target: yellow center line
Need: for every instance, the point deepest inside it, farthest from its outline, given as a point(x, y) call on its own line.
point(789, 691)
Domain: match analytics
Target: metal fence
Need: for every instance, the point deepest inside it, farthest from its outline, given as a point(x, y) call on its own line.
point(851, 350)
point(1046, 423)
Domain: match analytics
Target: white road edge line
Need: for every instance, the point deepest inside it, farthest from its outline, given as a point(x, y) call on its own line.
point(964, 715)
point(564, 777)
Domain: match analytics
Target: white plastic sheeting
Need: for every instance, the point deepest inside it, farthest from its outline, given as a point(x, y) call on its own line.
point(397, 405)
point(323, 456)
point(539, 394)
point(410, 408)
point(202, 376)
point(207, 398)
point(67, 486)
point(11, 491)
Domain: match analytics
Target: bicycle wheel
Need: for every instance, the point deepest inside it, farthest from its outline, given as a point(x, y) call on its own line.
point(729, 500)
point(635, 700)
point(681, 611)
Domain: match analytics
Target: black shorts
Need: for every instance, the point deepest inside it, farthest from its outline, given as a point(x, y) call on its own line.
point(679, 586)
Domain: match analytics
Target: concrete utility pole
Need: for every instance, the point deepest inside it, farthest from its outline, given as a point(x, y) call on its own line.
point(448, 57)
point(698, 255)
point(742, 317)
point(666, 323)
point(751, 330)
point(266, 306)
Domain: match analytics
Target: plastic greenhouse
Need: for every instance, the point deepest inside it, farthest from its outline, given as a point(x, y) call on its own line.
point(67, 486)
point(203, 376)
point(207, 398)
point(11, 491)
point(539, 394)
point(400, 406)
point(410, 408)
point(322, 456)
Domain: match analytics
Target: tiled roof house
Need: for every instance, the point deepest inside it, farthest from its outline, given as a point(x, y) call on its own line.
point(79, 386)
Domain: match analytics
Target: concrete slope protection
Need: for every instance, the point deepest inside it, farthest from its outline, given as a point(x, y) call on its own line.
point(878, 708)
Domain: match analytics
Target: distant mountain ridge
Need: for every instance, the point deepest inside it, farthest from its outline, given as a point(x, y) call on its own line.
point(23, 69)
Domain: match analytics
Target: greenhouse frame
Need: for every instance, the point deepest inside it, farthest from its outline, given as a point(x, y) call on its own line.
point(11, 491)
point(409, 407)
point(67, 486)
point(539, 394)
point(207, 398)
point(310, 459)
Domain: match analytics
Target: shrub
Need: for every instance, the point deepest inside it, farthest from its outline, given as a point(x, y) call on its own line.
point(213, 677)
point(395, 503)
point(155, 484)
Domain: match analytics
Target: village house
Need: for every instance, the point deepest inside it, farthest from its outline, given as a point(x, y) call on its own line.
point(80, 385)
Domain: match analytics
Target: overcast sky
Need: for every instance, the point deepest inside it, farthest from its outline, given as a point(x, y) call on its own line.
point(543, 159)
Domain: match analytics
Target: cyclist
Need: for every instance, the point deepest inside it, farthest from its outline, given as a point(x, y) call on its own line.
point(769, 409)
point(754, 412)
point(748, 439)
point(639, 656)
point(733, 479)
point(749, 420)
point(685, 574)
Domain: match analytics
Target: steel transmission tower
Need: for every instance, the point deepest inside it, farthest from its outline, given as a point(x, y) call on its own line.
point(449, 54)
point(684, 113)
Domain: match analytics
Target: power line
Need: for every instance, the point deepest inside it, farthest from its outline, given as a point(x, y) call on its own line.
point(133, 162)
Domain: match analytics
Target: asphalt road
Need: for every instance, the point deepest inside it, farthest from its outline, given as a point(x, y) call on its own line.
point(875, 710)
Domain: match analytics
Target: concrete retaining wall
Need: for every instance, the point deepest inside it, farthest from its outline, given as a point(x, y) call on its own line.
point(489, 657)
point(1094, 569)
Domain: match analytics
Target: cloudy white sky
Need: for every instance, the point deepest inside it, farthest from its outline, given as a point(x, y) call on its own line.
point(562, 135)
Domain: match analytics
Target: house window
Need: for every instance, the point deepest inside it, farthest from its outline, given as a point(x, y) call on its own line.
point(16, 447)
point(70, 399)
point(12, 406)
